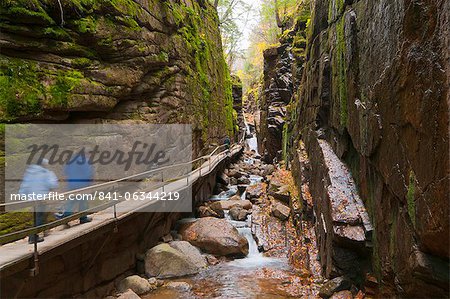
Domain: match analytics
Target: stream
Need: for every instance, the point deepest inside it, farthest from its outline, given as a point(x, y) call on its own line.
point(255, 276)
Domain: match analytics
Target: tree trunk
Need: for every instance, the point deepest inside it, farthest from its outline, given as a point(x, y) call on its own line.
point(216, 3)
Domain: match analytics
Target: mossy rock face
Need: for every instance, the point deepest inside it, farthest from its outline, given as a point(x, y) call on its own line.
point(90, 56)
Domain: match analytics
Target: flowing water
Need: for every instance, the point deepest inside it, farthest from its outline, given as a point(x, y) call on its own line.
point(255, 276)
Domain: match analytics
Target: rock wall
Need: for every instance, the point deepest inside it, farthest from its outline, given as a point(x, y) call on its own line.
point(283, 69)
point(277, 93)
point(157, 61)
point(237, 106)
point(375, 92)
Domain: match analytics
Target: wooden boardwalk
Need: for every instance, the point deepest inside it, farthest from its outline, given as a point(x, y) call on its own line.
point(18, 251)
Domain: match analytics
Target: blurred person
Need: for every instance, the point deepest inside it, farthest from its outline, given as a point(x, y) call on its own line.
point(79, 174)
point(38, 181)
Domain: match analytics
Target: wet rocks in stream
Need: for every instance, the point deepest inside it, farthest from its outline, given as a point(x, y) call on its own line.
point(205, 211)
point(135, 283)
point(164, 261)
point(280, 210)
point(128, 294)
point(238, 213)
point(215, 236)
point(222, 205)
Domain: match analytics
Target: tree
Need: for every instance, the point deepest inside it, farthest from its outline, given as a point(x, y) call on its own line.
point(233, 14)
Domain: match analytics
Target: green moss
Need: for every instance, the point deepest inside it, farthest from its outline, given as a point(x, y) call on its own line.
point(21, 91)
point(410, 197)
point(27, 14)
point(335, 8)
point(81, 62)
point(341, 70)
point(128, 22)
point(25, 87)
point(285, 142)
point(57, 33)
point(393, 236)
point(65, 82)
point(86, 25)
point(191, 25)
point(15, 221)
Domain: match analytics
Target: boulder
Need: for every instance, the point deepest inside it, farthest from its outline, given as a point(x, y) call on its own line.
point(335, 285)
point(215, 236)
point(167, 238)
point(135, 283)
point(164, 261)
point(255, 191)
point(204, 211)
point(241, 188)
point(235, 197)
point(129, 294)
point(154, 283)
point(280, 211)
point(281, 193)
point(342, 295)
point(179, 286)
point(221, 205)
point(243, 181)
point(268, 170)
point(212, 260)
point(237, 213)
point(191, 252)
point(223, 179)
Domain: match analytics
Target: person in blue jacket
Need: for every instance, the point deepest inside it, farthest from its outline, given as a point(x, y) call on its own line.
point(79, 174)
point(38, 181)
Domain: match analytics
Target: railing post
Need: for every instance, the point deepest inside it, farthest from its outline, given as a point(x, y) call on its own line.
point(35, 270)
point(116, 228)
point(162, 180)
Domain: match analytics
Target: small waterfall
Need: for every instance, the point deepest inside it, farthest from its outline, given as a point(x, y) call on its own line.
point(252, 143)
point(252, 246)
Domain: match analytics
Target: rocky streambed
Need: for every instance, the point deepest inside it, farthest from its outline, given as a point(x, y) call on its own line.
point(248, 241)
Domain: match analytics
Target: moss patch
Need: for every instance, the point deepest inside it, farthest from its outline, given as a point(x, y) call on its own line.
point(26, 87)
point(15, 221)
point(340, 70)
point(410, 197)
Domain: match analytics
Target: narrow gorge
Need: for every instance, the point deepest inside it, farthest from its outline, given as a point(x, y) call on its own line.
point(320, 147)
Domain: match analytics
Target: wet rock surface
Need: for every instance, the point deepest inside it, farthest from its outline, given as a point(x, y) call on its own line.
point(287, 268)
point(135, 283)
point(360, 56)
point(164, 261)
point(333, 286)
point(280, 210)
point(122, 62)
point(278, 89)
point(129, 294)
point(215, 236)
point(191, 252)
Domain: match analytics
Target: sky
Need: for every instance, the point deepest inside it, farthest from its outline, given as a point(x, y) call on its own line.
point(246, 27)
